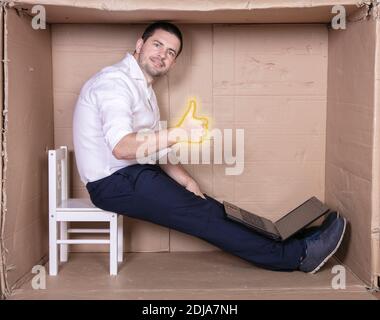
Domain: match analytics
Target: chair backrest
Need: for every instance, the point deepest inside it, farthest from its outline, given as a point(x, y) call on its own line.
point(58, 177)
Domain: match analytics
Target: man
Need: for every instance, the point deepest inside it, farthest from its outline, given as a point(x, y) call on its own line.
point(119, 101)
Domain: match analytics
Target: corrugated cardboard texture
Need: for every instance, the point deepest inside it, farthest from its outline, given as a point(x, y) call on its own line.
point(30, 133)
point(265, 79)
point(4, 290)
point(376, 166)
point(349, 146)
point(199, 11)
point(190, 276)
point(269, 80)
point(200, 5)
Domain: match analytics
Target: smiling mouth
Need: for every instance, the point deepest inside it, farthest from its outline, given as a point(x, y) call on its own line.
point(157, 63)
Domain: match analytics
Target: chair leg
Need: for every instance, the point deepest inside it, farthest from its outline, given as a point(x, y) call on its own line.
point(53, 247)
point(120, 238)
point(64, 247)
point(113, 244)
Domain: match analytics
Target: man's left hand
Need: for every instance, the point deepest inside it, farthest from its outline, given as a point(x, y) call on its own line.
point(193, 187)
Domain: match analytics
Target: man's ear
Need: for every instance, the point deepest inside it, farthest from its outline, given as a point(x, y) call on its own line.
point(139, 45)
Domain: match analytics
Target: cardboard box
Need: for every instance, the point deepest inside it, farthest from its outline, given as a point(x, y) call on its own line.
point(306, 95)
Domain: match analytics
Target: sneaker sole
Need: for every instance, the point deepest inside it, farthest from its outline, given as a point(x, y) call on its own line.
point(332, 252)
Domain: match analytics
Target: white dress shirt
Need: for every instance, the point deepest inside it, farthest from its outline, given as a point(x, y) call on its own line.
point(113, 103)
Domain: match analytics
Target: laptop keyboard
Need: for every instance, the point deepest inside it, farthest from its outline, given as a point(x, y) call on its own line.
point(252, 219)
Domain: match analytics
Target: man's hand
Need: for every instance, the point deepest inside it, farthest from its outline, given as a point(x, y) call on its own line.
point(193, 187)
point(179, 174)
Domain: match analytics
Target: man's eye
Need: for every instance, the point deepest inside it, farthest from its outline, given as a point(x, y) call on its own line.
point(156, 45)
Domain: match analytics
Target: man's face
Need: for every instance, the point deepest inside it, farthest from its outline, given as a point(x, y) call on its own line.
point(157, 54)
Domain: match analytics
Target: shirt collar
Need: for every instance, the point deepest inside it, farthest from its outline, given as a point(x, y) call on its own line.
point(134, 68)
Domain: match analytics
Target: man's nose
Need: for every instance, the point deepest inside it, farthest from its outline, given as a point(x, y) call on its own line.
point(162, 53)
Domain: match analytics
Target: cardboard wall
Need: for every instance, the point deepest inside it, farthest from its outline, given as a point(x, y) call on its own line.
point(376, 165)
point(29, 135)
point(270, 80)
point(3, 282)
point(350, 129)
point(190, 11)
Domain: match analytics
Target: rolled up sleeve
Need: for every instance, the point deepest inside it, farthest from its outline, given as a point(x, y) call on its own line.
point(115, 101)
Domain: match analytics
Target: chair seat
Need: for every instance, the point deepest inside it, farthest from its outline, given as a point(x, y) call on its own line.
point(75, 204)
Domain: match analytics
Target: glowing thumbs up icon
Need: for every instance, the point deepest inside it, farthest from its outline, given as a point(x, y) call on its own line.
point(195, 127)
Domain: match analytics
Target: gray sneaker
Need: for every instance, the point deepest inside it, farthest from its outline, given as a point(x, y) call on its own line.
point(321, 248)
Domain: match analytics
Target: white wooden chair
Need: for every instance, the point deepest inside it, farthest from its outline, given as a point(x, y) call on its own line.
point(63, 209)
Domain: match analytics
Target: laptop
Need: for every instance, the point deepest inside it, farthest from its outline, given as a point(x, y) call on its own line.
point(284, 228)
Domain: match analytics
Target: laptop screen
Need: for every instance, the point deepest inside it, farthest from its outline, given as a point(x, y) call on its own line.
point(300, 217)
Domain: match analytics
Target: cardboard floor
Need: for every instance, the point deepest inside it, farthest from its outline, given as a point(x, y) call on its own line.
point(195, 275)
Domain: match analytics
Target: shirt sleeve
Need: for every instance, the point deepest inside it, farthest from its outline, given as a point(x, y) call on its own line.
point(115, 101)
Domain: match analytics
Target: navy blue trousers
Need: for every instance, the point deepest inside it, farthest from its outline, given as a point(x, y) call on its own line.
point(146, 192)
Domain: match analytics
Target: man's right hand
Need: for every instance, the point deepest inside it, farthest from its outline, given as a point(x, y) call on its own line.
point(190, 129)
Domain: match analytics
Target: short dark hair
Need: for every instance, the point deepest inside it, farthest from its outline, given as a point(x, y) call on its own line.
point(166, 26)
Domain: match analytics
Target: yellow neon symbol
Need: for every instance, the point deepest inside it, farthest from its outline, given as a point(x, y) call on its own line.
point(190, 112)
